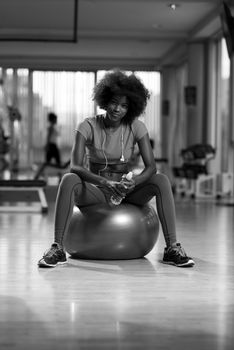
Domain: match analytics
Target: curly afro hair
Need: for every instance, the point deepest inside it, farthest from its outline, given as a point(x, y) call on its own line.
point(119, 83)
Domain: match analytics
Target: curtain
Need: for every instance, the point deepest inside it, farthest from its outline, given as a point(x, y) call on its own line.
point(69, 96)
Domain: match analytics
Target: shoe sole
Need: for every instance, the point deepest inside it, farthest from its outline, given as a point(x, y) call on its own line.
point(190, 263)
point(44, 264)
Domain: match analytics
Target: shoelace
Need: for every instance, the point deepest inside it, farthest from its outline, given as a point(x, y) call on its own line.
point(52, 251)
point(179, 251)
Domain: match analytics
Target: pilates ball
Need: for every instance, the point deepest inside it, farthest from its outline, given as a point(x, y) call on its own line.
point(122, 232)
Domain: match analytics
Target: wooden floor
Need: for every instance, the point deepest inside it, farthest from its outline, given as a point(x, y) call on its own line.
point(136, 304)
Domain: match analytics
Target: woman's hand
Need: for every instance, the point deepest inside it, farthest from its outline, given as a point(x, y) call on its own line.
point(112, 187)
point(126, 186)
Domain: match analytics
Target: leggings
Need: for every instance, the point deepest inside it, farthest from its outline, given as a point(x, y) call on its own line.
point(74, 191)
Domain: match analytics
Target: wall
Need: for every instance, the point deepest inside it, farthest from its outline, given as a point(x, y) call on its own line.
point(185, 124)
point(196, 132)
point(168, 123)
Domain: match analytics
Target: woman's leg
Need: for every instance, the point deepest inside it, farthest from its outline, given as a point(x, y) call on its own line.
point(159, 186)
point(73, 191)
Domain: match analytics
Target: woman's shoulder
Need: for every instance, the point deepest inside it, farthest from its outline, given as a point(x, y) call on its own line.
point(89, 126)
point(138, 124)
point(138, 128)
point(93, 121)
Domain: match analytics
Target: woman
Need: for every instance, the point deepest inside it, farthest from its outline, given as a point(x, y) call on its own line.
point(109, 140)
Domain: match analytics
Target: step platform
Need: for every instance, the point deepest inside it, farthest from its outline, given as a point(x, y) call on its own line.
point(14, 190)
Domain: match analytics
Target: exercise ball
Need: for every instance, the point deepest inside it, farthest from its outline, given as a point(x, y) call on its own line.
point(123, 232)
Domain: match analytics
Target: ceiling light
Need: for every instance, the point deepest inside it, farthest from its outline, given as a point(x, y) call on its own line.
point(157, 26)
point(173, 6)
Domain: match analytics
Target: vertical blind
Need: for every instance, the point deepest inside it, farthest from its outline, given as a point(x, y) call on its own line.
point(69, 96)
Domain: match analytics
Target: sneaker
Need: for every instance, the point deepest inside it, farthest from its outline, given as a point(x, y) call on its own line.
point(52, 257)
point(177, 256)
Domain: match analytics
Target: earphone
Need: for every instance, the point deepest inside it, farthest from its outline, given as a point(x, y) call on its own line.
point(122, 158)
point(122, 146)
point(103, 151)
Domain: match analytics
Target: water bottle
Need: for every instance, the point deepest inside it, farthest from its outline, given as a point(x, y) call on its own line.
point(116, 199)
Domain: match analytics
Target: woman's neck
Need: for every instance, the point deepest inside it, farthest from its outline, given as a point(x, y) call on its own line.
point(109, 124)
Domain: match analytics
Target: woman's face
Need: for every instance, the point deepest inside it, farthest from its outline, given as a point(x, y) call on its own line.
point(117, 109)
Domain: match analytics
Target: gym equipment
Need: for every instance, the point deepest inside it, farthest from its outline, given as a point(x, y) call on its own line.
point(24, 186)
point(112, 233)
point(193, 174)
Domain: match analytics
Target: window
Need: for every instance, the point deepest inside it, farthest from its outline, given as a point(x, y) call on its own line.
point(67, 94)
point(225, 106)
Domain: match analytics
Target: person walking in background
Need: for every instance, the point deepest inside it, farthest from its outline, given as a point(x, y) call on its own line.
point(51, 149)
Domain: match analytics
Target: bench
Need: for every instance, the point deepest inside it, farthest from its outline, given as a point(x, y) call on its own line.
point(24, 186)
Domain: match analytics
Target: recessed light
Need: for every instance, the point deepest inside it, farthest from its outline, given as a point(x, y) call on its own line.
point(157, 26)
point(173, 6)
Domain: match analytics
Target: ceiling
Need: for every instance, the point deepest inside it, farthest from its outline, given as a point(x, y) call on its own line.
point(84, 34)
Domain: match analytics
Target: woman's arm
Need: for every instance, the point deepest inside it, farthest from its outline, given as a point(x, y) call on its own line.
point(148, 158)
point(77, 159)
point(146, 152)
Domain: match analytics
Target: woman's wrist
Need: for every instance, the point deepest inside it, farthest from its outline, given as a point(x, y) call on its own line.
point(103, 181)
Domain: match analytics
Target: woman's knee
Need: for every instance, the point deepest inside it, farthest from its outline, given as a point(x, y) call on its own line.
point(69, 180)
point(161, 180)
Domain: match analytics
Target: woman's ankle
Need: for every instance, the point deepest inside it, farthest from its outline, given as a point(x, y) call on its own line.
point(172, 245)
point(59, 245)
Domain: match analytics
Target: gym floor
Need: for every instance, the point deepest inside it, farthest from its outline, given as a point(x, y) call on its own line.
point(132, 304)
